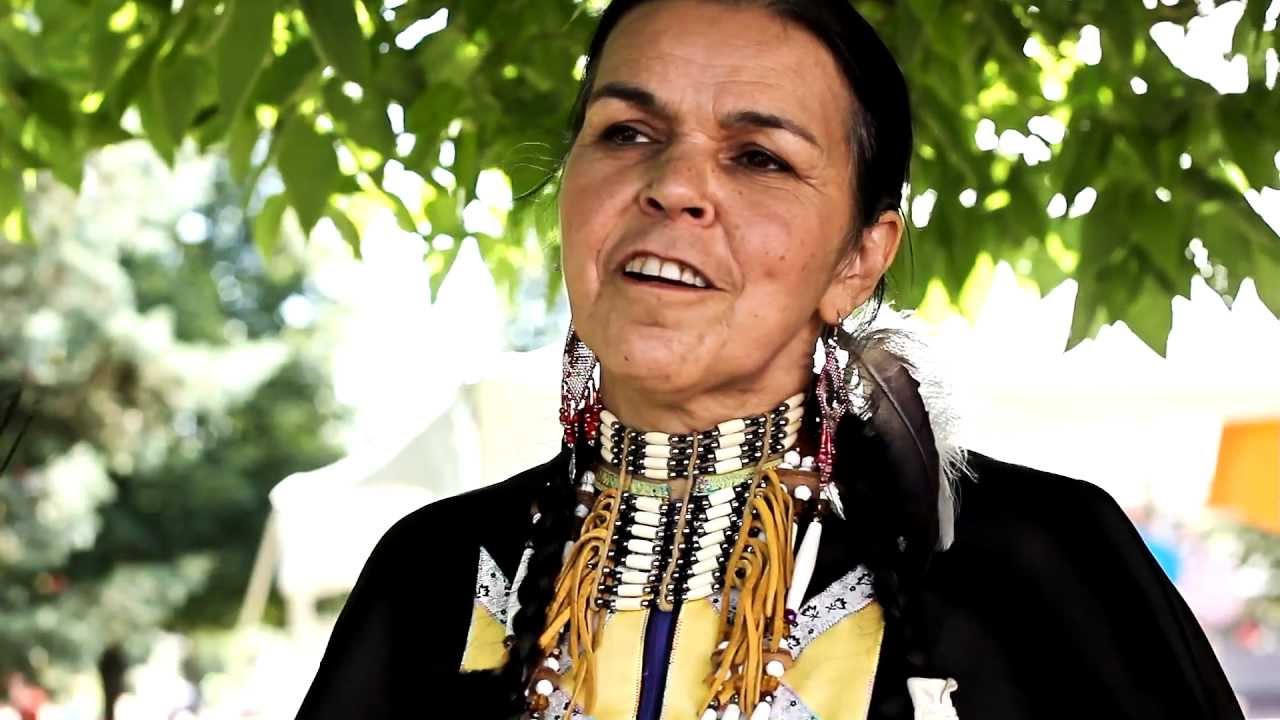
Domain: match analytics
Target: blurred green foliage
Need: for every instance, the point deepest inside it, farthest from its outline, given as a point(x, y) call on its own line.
point(304, 86)
point(165, 397)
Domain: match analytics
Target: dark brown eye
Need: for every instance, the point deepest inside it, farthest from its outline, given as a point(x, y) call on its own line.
point(758, 159)
point(622, 134)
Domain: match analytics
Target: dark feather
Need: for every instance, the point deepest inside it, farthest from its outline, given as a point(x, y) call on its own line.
point(887, 395)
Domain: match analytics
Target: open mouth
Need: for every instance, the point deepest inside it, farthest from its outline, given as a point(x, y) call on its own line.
point(653, 269)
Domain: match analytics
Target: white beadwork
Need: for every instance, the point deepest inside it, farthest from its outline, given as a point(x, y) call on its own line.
point(640, 562)
point(719, 523)
point(774, 668)
point(762, 711)
point(644, 547)
point(731, 712)
point(722, 496)
point(805, 559)
point(719, 511)
point(648, 518)
point(544, 687)
point(649, 504)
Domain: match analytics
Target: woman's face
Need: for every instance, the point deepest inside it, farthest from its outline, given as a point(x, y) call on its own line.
point(715, 150)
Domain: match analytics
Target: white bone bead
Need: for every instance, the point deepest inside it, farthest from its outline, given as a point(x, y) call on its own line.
point(792, 458)
point(608, 418)
point(644, 547)
point(606, 452)
point(654, 463)
point(662, 451)
point(762, 711)
point(803, 493)
point(805, 560)
point(725, 453)
point(731, 712)
point(631, 590)
point(699, 593)
point(656, 474)
point(704, 566)
point(722, 496)
point(657, 438)
point(634, 577)
point(730, 465)
point(698, 581)
point(582, 510)
point(732, 439)
point(717, 511)
point(708, 714)
point(719, 523)
point(731, 426)
point(790, 439)
point(544, 687)
point(794, 414)
point(648, 518)
point(774, 668)
point(807, 462)
point(628, 603)
point(645, 531)
point(639, 562)
point(649, 504)
point(711, 538)
point(795, 401)
point(707, 553)
point(551, 664)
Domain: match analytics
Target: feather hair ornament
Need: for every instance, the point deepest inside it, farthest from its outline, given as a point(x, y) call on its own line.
point(909, 410)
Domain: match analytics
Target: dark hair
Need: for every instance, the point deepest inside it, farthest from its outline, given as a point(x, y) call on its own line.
point(881, 142)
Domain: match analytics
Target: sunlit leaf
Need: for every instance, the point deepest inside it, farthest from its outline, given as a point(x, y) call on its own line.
point(309, 167)
point(337, 36)
point(267, 224)
point(242, 50)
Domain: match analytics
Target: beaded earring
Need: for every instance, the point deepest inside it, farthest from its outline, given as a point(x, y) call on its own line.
point(579, 397)
point(833, 402)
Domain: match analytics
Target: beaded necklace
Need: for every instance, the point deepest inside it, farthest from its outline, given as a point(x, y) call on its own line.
point(725, 519)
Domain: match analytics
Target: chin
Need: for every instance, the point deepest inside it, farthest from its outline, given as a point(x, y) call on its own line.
point(663, 360)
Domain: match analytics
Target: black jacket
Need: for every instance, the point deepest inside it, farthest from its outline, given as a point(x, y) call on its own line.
point(1048, 605)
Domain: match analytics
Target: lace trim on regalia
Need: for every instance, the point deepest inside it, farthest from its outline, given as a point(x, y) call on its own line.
point(492, 588)
point(788, 706)
point(841, 599)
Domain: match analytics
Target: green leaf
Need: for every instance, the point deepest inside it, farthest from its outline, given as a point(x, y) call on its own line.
point(266, 226)
point(347, 229)
point(444, 216)
point(10, 191)
point(176, 85)
point(364, 121)
point(337, 37)
point(1252, 148)
point(309, 167)
point(286, 74)
point(466, 163)
point(240, 142)
point(242, 50)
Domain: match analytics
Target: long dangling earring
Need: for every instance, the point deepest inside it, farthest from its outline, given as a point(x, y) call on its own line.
point(833, 401)
point(579, 399)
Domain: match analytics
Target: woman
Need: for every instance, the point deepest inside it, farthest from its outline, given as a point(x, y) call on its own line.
point(727, 534)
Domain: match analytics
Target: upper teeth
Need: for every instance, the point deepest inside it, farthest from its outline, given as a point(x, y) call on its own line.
point(667, 269)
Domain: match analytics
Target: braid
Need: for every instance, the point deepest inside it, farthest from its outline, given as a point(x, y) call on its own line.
point(552, 530)
point(874, 528)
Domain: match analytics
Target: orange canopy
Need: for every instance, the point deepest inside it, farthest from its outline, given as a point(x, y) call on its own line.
point(1246, 484)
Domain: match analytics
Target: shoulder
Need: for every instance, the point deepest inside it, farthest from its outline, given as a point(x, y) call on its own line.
point(1030, 523)
point(494, 515)
point(1001, 495)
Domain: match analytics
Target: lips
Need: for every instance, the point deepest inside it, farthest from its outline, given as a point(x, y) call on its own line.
point(651, 268)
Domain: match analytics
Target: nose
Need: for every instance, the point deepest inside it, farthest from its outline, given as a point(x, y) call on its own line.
point(679, 190)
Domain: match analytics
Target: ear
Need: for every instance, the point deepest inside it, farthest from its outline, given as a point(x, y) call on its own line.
point(860, 271)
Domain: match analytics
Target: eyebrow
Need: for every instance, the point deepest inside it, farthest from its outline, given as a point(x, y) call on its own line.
point(646, 100)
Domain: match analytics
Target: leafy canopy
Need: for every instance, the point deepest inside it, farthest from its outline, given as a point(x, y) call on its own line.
point(1027, 115)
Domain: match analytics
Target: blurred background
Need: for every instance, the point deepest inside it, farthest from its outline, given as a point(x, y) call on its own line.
point(276, 272)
